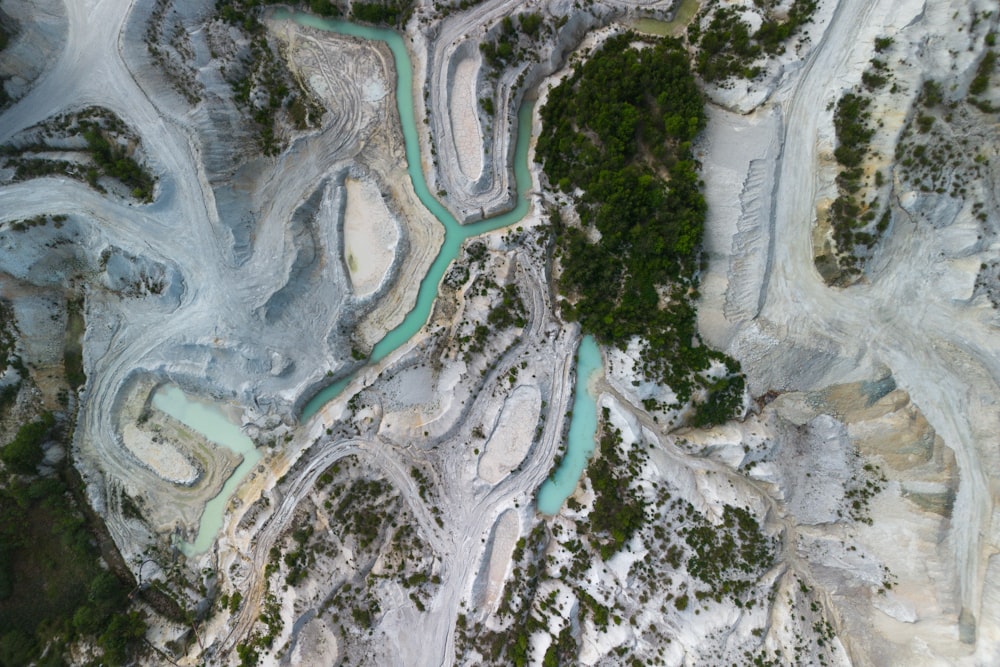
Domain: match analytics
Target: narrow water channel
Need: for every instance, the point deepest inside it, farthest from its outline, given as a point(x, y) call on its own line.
point(584, 423)
point(455, 233)
point(211, 422)
point(582, 429)
point(553, 493)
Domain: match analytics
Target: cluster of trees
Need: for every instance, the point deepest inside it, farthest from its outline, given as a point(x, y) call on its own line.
point(876, 76)
point(506, 49)
point(853, 131)
point(863, 487)
point(383, 12)
point(612, 129)
point(54, 589)
point(242, 13)
point(500, 52)
point(619, 510)
point(28, 168)
point(114, 162)
point(109, 159)
point(510, 646)
point(23, 454)
point(724, 398)
point(8, 395)
point(8, 336)
point(261, 84)
point(324, 8)
point(726, 47)
point(6, 33)
point(363, 509)
point(562, 651)
point(8, 357)
point(982, 79)
point(250, 650)
point(299, 559)
point(772, 34)
point(730, 557)
point(447, 8)
point(848, 218)
point(509, 312)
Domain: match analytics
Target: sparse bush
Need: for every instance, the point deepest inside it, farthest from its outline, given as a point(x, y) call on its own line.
point(982, 79)
point(24, 452)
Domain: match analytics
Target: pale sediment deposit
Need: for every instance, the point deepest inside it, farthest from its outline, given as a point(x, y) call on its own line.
point(511, 436)
point(371, 234)
point(464, 113)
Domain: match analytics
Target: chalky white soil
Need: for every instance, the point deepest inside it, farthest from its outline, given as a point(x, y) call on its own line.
point(277, 269)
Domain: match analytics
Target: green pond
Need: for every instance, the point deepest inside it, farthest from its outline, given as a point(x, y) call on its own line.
point(209, 420)
point(673, 28)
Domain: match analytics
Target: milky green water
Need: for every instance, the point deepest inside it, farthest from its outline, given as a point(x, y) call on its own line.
point(455, 233)
point(210, 421)
point(582, 430)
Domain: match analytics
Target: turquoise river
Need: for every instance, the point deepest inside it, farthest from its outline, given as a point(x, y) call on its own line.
point(455, 233)
point(582, 429)
point(210, 421)
point(584, 423)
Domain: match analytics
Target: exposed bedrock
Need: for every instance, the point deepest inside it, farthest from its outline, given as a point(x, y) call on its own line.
point(303, 262)
point(914, 313)
point(39, 33)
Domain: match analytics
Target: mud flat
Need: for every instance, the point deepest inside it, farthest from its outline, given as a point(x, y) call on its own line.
point(371, 236)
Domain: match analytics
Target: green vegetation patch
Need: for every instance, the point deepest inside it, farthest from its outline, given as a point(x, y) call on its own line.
point(261, 83)
point(982, 79)
point(8, 356)
point(864, 485)
point(324, 8)
point(8, 29)
point(511, 646)
point(508, 312)
point(383, 12)
point(362, 509)
point(23, 454)
point(851, 214)
point(109, 153)
point(177, 60)
point(730, 557)
point(53, 587)
point(620, 129)
point(848, 216)
point(725, 46)
point(619, 510)
point(512, 45)
point(113, 161)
